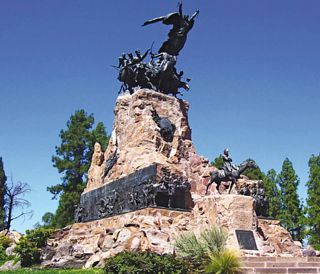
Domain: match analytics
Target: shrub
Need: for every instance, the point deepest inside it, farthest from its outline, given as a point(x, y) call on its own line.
point(145, 263)
point(214, 240)
point(226, 262)
point(4, 244)
point(29, 246)
point(5, 241)
point(208, 252)
point(39, 236)
point(28, 251)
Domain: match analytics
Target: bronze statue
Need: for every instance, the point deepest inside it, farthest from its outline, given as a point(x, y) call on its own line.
point(228, 167)
point(229, 172)
point(182, 24)
point(159, 73)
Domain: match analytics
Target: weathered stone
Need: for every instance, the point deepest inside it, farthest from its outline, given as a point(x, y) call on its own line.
point(138, 142)
point(10, 265)
point(278, 237)
point(93, 261)
point(47, 253)
point(10, 250)
point(13, 235)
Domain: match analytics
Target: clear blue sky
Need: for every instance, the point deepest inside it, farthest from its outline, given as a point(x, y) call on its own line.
point(255, 69)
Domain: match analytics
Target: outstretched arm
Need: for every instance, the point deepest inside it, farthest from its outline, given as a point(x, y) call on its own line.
point(151, 21)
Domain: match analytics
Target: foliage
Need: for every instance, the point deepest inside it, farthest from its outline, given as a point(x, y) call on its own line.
point(291, 213)
point(39, 236)
point(214, 240)
point(208, 251)
point(72, 160)
point(313, 201)
point(188, 245)
point(5, 241)
point(47, 219)
point(4, 244)
point(253, 173)
point(218, 162)
point(3, 180)
point(29, 246)
point(226, 262)
point(273, 193)
point(28, 252)
point(145, 263)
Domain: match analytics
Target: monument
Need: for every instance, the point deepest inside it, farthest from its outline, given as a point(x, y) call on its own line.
point(150, 185)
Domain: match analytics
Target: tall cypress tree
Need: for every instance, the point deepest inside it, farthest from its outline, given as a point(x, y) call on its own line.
point(72, 160)
point(272, 193)
point(3, 180)
point(291, 214)
point(313, 201)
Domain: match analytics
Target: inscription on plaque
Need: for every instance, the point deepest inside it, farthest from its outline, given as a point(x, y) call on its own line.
point(246, 239)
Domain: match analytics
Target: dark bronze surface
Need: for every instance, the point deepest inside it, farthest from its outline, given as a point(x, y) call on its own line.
point(141, 189)
point(246, 239)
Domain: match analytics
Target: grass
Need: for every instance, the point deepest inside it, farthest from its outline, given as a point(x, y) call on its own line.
point(55, 271)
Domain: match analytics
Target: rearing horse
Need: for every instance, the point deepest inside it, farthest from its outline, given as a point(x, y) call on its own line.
point(219, 175)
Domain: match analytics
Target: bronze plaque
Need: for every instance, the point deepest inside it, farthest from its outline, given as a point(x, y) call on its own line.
point(246, 239)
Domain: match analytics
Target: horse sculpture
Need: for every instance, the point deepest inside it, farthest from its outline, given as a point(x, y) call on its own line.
point(220, 176)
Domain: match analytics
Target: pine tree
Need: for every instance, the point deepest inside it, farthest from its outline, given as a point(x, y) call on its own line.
point(72, 160)
point(218, 162)
point(291, 214)
point(272, 193)
point(3, 180)
point(313, 201)
point(254, 173)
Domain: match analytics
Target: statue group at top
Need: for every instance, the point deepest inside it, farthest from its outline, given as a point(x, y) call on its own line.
point(159, 73)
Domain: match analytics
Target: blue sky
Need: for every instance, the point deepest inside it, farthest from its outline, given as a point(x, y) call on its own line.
point(255, 69)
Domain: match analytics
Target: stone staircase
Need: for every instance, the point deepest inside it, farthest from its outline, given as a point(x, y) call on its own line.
point(280, 265)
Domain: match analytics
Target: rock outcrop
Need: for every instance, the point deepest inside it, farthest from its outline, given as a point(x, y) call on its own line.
point(137, 142)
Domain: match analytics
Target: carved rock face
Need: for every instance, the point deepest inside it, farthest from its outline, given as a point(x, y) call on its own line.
point(139, 141)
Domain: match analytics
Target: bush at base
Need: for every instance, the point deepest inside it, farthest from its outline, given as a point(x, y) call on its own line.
point(4, 244)
point(145, 263)
point(30, 245)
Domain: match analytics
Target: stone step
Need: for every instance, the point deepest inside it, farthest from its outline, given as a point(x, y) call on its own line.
point(280, 265)
point(281, 259)
point(274, 270)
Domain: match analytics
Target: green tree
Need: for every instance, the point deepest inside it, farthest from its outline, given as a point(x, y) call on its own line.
point(291, 214)
point(218, 162)
point(273, 193)
point(3, 180)
point(47, 219)
point(254, 173)
point(72, 160)
point(313, 201)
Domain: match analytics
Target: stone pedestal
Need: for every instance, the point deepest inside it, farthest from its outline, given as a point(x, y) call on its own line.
point(156, 229)
point(140, 146)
